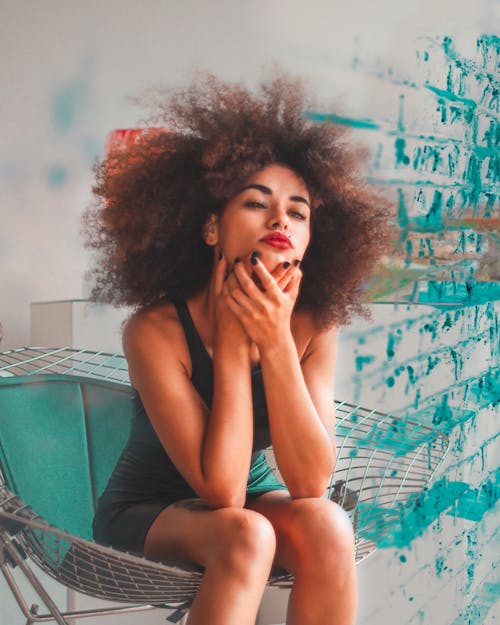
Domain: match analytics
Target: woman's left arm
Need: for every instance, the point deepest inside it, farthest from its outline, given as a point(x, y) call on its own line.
point(301, 410)
point(299, 396)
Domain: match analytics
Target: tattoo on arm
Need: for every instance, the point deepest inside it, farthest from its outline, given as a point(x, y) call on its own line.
point(194, 504)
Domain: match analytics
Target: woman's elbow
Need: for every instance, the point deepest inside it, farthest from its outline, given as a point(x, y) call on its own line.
point(225, 499)
point(314, 487)
point(306, 493)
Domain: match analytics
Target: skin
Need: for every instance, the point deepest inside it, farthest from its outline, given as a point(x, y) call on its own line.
point(245, 316)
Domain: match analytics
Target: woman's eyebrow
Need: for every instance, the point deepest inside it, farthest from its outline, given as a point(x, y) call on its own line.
point(299, 198)
point(267, 191)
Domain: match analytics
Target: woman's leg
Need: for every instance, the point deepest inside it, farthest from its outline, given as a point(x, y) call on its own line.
point(315, 542)
point(235, 546)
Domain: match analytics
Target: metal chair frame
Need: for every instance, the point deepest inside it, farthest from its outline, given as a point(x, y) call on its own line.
point(382, 460)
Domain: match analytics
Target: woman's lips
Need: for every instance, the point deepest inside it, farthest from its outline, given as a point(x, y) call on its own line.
point(281, 244)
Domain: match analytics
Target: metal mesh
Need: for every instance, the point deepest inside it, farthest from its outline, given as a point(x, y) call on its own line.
point(64, 361)
point(94, 569)
point(383, 463)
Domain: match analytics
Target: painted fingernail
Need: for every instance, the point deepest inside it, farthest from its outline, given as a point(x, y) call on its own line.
point(255, 253)
point(286, 264)
point(253, 258)
point(296, 262)
point(237, 260)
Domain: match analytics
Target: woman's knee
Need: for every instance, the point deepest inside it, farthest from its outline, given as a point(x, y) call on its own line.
point(321, 532)
point(245, 540)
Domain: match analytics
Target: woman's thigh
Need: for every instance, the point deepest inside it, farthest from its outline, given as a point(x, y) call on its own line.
point(191, 531)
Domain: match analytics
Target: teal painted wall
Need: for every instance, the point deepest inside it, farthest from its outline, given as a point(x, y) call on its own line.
point(432, 355)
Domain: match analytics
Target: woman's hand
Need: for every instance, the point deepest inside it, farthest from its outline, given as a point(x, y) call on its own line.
point(263, 303)
point(227, 325)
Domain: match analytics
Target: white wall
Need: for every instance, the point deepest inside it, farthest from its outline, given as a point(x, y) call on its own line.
point(67, 70)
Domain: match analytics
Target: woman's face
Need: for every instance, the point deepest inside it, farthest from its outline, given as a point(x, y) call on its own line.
point(273, 202)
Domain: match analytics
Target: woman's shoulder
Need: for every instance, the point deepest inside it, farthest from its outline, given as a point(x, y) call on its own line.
point(155, 328)
point(160, 318)
point(308, 335)
point(306, 320)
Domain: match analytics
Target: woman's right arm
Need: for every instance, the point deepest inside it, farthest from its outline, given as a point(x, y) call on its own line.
point(211, 449)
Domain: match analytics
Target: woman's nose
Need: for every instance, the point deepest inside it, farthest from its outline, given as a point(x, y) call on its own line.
point(278, 222)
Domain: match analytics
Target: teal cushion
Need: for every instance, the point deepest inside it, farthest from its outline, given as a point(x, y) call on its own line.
point(108, 410)
point(60, 437)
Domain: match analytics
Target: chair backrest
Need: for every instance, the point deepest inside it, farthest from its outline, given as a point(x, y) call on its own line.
point(60, 437)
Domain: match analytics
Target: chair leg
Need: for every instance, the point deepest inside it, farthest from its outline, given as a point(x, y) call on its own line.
point(8, 552)
point(179, 616)
point(9, 557)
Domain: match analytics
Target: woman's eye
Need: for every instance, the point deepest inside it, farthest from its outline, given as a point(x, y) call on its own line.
point(255, 204)
point(299, 215)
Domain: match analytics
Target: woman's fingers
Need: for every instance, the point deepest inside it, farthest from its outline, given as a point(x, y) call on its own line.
point(220, 267)
point(231, 283)
point(275, 281)
point(283, 273)
point(292, 286)
point(280, 271)
point(249, 282)
point(260, 300)
point(244, 279)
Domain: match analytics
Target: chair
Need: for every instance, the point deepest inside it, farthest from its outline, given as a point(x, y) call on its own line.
point(59, 408)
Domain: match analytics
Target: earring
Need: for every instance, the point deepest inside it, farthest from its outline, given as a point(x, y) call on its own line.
point(209, 229)
point(208, 233)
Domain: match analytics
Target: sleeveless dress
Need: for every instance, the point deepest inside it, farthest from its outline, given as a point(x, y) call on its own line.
point(145, 480)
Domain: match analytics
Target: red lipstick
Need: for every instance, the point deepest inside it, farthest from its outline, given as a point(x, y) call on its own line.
point(278, 240)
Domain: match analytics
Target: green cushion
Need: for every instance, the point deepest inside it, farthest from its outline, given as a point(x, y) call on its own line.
point(108, 410)
point(60, 437)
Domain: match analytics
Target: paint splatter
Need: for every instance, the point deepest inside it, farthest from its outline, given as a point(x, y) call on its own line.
point(68, 103)
point(57, 176)
point(436, 362)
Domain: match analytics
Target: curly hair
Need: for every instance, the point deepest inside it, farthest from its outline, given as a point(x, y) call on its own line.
point(152, 198)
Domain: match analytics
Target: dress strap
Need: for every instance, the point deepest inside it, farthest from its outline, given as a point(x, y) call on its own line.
point(201, 363)
point(195, 343)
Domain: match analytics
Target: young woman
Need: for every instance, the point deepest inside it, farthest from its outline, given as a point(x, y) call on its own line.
point(242, 235)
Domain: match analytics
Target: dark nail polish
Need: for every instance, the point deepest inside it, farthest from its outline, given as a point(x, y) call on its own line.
point(255, 253)
point(237, 260)
point(296, 262)
point(220, 255)
point(253, 259)
point(286, 264)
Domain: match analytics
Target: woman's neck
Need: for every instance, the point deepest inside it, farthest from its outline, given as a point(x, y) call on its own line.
point(202, 309)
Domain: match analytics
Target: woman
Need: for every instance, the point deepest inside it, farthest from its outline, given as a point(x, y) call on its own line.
point(242, 236)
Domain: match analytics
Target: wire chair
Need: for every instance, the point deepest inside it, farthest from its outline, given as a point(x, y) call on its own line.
point(383, 464)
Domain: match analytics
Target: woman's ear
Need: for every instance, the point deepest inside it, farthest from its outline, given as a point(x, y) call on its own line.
point(210, 230)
